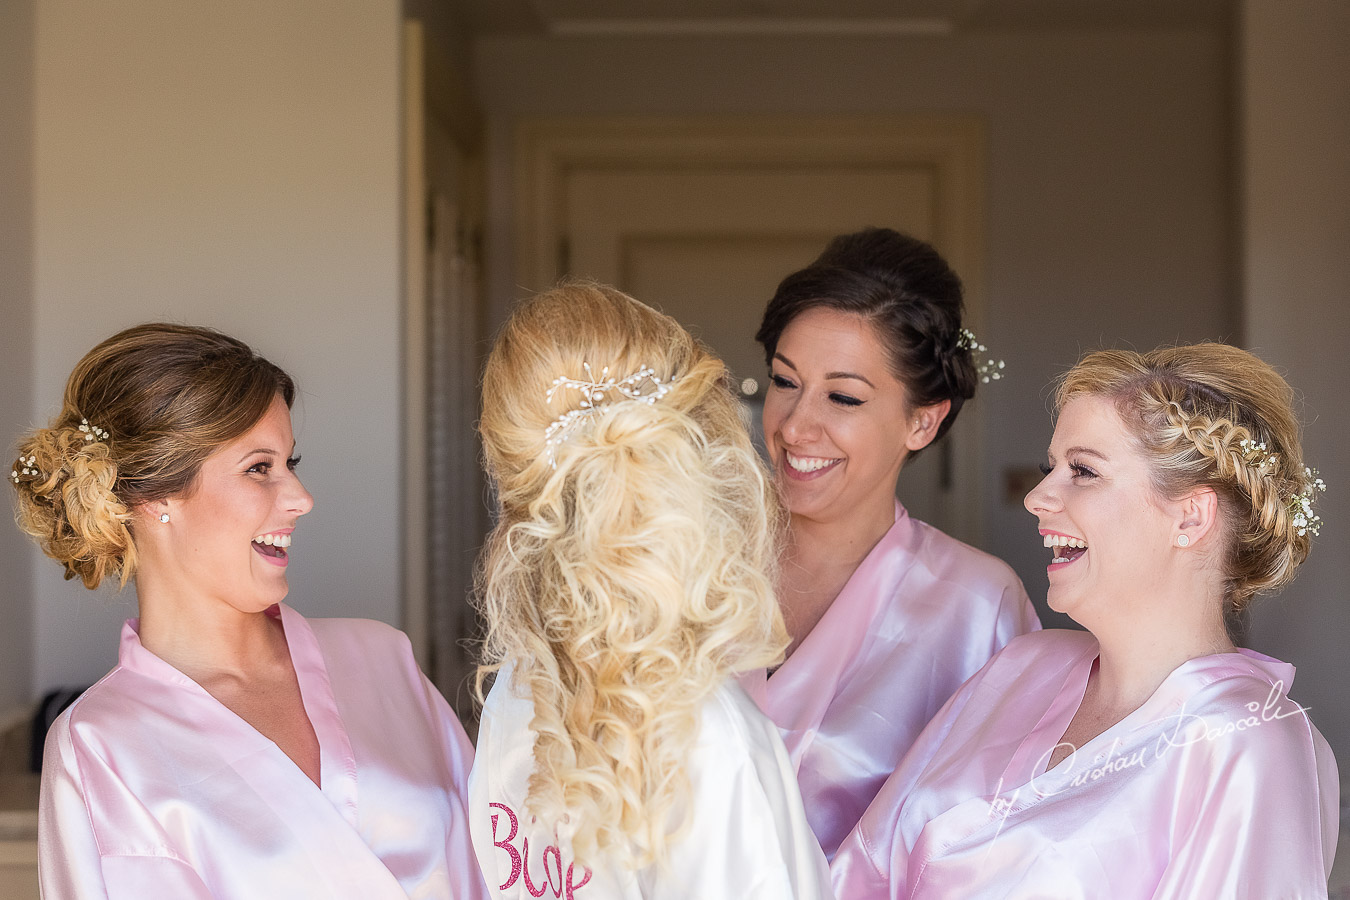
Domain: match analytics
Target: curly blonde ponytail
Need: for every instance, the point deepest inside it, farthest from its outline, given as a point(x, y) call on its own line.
point(1200, 412)
point(142, 411)
point(630, 572)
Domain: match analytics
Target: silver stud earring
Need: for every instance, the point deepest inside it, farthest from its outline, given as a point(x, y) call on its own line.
point(1183, 540)
point(164, 517)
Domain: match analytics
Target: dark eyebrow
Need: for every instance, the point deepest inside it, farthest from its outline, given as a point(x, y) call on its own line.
point(829, 376)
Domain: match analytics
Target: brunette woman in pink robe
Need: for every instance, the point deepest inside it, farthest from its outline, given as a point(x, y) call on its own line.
point(869, 364)
point(1149, 757)
point(236, 750)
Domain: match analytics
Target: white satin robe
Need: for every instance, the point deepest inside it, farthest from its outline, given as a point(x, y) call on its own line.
point(748, 836)
point(153, 789)
point(921, 614)
point(1217, 787)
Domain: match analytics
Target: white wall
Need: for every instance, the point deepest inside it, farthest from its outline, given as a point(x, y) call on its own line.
point(1108, 180)
point(236, 165)
point(16, 331)
point(1296, 279)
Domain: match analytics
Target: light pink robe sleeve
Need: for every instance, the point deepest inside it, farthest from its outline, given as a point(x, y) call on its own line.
point(70, 864)
point(1258, 823)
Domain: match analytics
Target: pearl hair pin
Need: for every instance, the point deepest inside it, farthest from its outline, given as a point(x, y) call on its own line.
point(643, 386)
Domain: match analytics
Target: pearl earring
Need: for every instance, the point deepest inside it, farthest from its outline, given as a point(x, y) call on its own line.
point(164, 517)
point(1183, 540)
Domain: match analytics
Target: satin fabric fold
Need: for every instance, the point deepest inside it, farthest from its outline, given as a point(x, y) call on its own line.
point(1217, 786)
point(153, 789)
point(747, 836)
point(921, 614)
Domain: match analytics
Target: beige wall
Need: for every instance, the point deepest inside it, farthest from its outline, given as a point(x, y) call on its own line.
point(237, 165)
point(1296, 279)
point(16, 331)
point(1108, 180)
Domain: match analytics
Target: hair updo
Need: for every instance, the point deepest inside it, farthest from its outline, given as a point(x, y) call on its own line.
point(910, 296)
point(630, 571)
point(142, 411)
point(1190, 409)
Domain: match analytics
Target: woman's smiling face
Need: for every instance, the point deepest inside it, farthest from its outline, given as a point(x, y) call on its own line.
point(230, 532)
point(837, 422)
point(1099, 511)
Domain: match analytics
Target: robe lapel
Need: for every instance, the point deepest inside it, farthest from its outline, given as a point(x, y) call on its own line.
point(801, 691)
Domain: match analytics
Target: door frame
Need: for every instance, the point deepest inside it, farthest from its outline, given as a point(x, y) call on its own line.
point(548, 150)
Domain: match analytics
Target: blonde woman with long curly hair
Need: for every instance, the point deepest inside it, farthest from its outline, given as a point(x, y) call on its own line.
point(627, 581)
point(1149, 756)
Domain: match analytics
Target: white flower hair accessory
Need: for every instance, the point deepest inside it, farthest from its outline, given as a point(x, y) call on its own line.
point(1256, 456)
point(643, 386)
point(990, 369)
point(1300, 505)
point(92, 432)
point(24, 467)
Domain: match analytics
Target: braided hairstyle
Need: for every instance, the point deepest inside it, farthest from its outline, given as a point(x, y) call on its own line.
point(142, 411)
point(910, 295)
point(1198, 412)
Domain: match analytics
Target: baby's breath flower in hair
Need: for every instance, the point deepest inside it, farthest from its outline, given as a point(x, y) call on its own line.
point(989, 369)
point(1300, 505)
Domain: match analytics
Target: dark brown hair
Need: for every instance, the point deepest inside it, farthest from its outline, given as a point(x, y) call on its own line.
point(910, 296)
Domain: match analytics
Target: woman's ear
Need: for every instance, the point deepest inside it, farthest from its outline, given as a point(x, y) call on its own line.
point(923, 425)
point(1197, 517)
point(152, 512)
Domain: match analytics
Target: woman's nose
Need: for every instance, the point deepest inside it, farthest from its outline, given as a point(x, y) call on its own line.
point(800, 424)
point(1043, 497)
point(299, 500)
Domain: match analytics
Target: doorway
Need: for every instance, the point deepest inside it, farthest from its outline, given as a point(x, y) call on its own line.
point(702, 218)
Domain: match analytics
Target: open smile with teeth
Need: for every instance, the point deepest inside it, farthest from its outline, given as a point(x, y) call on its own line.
point(1067, 549)
point(273, 545)
point(808, 464)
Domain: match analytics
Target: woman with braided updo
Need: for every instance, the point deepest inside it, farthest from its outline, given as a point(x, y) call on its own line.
point(869, 364)
point(627, 580)
point(1148, 757)
point(222, 756)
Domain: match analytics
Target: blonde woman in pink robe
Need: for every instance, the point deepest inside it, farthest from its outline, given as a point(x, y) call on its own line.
point(1149, 757)
point(870, 364)
point(236, 750)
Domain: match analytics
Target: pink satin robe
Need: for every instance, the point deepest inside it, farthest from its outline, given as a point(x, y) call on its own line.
point(1217, 787)
point(153, 789)
point(747, 838)
point(921, 614)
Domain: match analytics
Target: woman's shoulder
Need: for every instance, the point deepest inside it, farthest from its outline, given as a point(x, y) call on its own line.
point(956, 562)
point(361, 642)
point(729, 719)
point(1242, 697)
point(371, 631)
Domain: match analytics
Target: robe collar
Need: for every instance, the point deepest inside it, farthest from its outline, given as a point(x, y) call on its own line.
point(802, 689)
point(337, 762)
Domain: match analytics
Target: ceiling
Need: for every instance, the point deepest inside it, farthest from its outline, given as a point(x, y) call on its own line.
point(825, 17)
